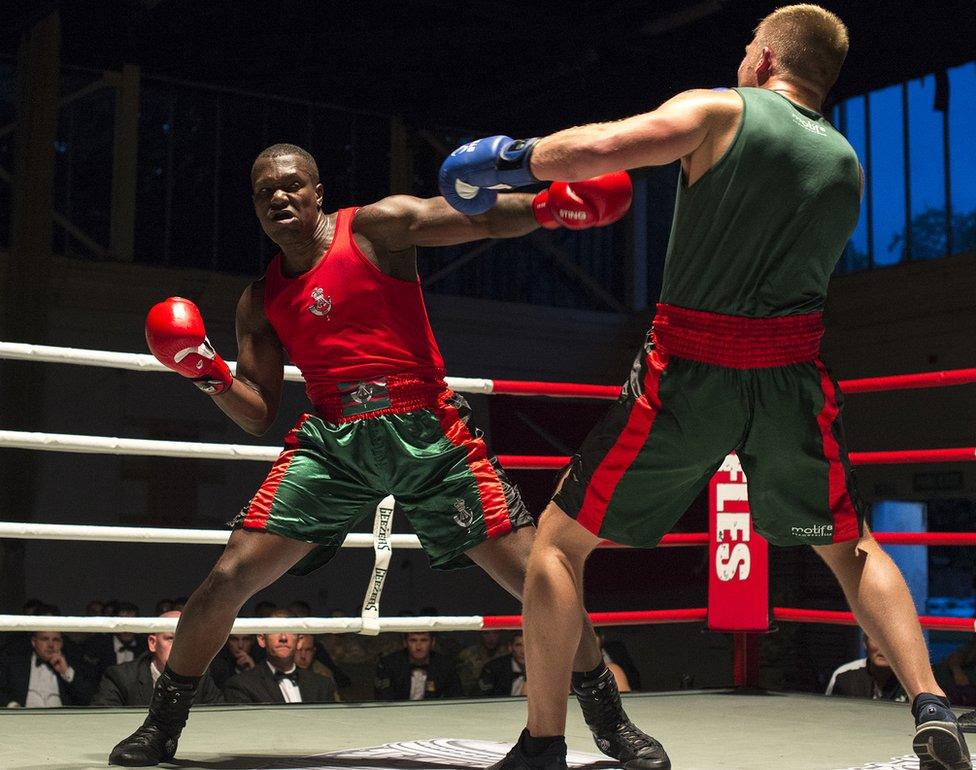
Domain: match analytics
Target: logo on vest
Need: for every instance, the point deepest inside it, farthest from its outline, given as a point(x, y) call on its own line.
point(817, 530)
point(321, 303)
point(464, 515)
point(810, 125)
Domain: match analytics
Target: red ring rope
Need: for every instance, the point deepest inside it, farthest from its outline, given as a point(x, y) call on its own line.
point(864, 385)
point(638, 617)
point(831, 617)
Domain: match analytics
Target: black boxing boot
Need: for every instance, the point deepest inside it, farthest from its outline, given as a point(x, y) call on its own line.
point(155, 741)
point(613, 732)
point(939, 743)
point(534, 754)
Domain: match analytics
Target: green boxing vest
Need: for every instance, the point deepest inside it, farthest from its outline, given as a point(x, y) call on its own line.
point(759, 234)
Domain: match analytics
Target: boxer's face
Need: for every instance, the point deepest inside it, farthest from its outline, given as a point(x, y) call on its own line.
point(286, 199)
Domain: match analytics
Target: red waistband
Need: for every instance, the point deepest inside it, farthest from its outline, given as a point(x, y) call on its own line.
point(736, 341)
point(393, 394)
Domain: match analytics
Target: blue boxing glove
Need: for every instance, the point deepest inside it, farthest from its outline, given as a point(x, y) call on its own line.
point(471, 174)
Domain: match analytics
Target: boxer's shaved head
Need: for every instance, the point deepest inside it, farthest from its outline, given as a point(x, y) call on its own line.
point(292, 150)
point(810, 43)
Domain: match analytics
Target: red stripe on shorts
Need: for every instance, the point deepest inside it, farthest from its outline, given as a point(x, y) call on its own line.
point(260, 506)
point(628, 445)
point(841, 505)
point(493, 504)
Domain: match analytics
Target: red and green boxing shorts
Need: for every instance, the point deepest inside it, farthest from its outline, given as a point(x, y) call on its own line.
point(392, 436)
point(703, 385)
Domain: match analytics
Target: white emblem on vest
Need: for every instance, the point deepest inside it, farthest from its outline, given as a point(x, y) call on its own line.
point(321, 303)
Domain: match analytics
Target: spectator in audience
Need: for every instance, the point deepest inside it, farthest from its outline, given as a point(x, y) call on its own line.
point(868, 677)
point(235, 656)
point(300, 609)
point(95, 608)
point(265, 609)
point(505, 676)
point(131, 684)
point(18, 643)
point(46, 678)
point(163, 606)
point(447, 644)
point(179, 602)
point(104, 650)
point(306, 650)
point(621, 675)
point(345, 648)
point(472, 659)
point(278, 679)
point(417, 672)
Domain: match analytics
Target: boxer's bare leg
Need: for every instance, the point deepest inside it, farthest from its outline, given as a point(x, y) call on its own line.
point(251, 561)
point(506, 559)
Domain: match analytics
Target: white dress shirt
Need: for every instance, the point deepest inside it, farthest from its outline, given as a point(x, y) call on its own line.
point(418, 683)
point(287, 687)
point(122, 656)
point(42, 687)
point(518, 682)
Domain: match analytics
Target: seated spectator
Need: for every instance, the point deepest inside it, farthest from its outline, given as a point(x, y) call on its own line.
point(163, 606)
point(305, 652)
point(104, 650)
point(620, 675)
point(505, 676)
point(132, 683)
point(300, 609)
point(473, 658)
point(868, 677)
point(234, 657)
point(95, 608)
point(417, 672)
point(278, 679)
point(265, 609)
point(45, 678)
point(345, 648)
point(179, 603)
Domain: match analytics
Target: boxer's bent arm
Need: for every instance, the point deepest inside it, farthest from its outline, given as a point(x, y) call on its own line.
point(402, 221)
point(253, 399)
point(673, 131)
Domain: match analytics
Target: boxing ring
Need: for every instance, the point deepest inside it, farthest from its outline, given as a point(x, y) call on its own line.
point(734, 729)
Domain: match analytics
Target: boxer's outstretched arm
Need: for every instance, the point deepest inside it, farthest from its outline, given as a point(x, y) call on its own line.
point(402, 221)
point(673, 131)
point(253, 399)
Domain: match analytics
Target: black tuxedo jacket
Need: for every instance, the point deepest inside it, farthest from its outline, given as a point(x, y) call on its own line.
point(496, 677)
point(99, 651)
point(258, 685)
point(131, 684)
point(394, 672)
point(15, 674)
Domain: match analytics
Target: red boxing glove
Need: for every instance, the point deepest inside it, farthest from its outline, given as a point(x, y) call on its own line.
point(594, 202)
point(175, 335)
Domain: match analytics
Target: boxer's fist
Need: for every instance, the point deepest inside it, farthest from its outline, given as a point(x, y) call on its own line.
point(176, 336)
point(471, 174)
point(594, 202)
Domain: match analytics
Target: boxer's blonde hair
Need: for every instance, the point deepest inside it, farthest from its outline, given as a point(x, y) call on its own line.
point(810, 42)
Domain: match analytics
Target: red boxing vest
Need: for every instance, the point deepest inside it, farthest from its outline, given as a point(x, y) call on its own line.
point(346, 321)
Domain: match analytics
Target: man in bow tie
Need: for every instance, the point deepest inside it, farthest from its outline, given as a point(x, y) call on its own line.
point(417, 672)
point(104, 650)
point(45, 678)
point(277, 679)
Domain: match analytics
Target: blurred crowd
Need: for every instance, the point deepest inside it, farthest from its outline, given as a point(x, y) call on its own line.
point(51, 668)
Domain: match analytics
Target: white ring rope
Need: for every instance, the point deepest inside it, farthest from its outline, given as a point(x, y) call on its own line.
point(241, 625)
point(143, 362)
point(65, 442)
point(30, 531)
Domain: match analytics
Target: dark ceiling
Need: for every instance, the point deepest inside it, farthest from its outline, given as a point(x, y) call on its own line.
point(520, 67)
